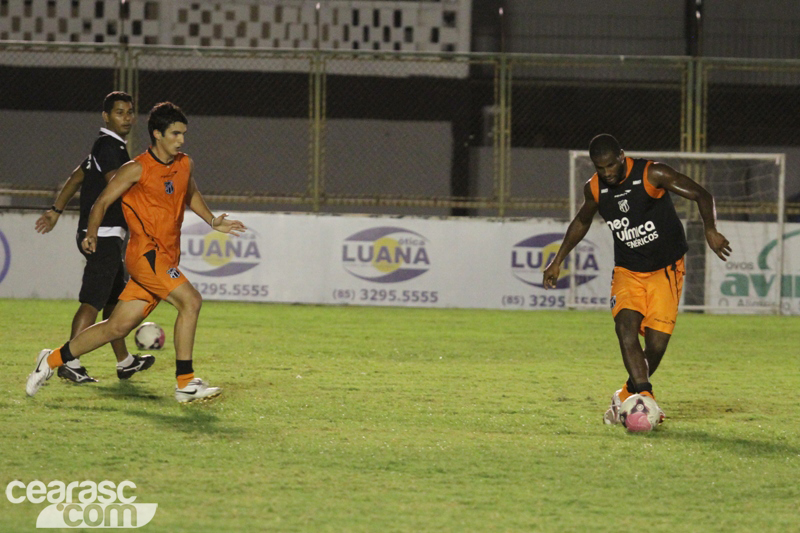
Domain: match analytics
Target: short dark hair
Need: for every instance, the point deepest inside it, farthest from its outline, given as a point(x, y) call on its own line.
point(161, 116)
point(604, 144)
point(116, 96)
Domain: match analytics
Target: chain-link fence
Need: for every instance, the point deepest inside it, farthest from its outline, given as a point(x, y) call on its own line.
point(249, 126)
point(561, 101)
point(41, 91)
point(751, 103)
point(400, 133)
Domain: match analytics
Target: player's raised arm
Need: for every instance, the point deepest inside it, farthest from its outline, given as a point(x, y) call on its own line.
point(665, 177)
point(575, 233)
point(125, 178)
point(196, 202)
point(49, 219)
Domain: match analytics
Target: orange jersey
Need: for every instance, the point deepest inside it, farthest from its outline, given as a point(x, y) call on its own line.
point(154, 206)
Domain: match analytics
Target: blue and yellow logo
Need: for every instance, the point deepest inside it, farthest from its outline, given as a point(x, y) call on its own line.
point(386, 254)
point(211, 253)
point(531, 256)
point(5, 257)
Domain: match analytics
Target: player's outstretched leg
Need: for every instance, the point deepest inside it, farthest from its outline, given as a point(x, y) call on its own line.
point(41, 373)
point(133, 364)
point(125, 317)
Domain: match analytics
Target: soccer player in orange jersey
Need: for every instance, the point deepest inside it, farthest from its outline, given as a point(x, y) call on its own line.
point(155, 189)
point(632, 196)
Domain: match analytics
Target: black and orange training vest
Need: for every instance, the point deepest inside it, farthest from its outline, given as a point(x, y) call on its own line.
point(648, 235)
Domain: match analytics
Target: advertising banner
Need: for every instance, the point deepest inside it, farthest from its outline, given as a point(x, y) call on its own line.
point(750, 281)
point(39, 266)
point(401, 261)
point(415, 262)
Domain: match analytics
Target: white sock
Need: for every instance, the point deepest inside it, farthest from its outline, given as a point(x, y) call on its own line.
point(75, 364)
point(126, 362)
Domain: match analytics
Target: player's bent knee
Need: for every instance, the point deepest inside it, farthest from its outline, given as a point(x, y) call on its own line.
point(626, 329)
point(188, 300)
point(195, 300)
point(193, 306)
point(119, 329)
point(656, 342)
point(627, 323)
point(658, 349)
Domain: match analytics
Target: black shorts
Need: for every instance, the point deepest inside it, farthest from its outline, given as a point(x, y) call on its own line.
point(104, 274)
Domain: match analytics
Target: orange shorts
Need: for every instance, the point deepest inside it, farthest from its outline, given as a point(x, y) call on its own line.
point(653, 294)
point(153, 277)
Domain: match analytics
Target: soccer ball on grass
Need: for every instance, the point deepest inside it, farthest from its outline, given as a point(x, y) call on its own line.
point(639, 413)
point(149, 336)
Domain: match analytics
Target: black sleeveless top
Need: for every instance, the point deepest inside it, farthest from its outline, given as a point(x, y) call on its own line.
point(648, 235)
point(109, 152)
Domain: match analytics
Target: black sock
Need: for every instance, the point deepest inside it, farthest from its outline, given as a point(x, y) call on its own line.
point(630, 385)
point(639, 388)
point(183, 367)
point(66, 354)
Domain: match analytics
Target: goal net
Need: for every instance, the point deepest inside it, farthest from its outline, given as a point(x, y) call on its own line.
point(749, 190)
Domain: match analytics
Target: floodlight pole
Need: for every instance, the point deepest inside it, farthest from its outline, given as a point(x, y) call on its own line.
point(125, 75)
point(317, 111)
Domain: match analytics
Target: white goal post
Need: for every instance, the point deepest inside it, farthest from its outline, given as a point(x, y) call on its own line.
point(749, 190)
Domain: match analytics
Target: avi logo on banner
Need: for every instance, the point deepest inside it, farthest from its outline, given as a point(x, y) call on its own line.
point(385, 254)
point(529, 258)
point(211, 253)
point(83, 504)
point(757, 281)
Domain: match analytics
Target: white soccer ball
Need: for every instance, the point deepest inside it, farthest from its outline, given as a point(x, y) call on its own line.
point(150, 336)
point(639, 413)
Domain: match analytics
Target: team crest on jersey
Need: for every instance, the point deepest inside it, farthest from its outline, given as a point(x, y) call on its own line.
point(169, 187)
point(623, 206)
point(174, 273)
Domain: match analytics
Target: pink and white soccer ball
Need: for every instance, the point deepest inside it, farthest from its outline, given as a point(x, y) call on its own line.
point(639, 413)
point(150, 336)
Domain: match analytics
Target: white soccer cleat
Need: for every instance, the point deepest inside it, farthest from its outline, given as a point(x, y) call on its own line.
point(611, 416)
point(197, 389)
point(40, 374)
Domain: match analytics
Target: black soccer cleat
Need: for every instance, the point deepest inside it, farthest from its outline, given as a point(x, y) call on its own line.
point(140, 363)
point(75, 375)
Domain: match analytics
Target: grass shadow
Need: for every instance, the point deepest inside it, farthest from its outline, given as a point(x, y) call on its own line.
point(72, 407)
point(733, 445)
point(187, 419)
point(128, 390)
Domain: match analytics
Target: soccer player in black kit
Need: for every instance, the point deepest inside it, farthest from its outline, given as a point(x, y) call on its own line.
point(104, 274)
point(632, 196)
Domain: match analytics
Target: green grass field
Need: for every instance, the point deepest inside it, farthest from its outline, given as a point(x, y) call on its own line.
point(379, 419)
